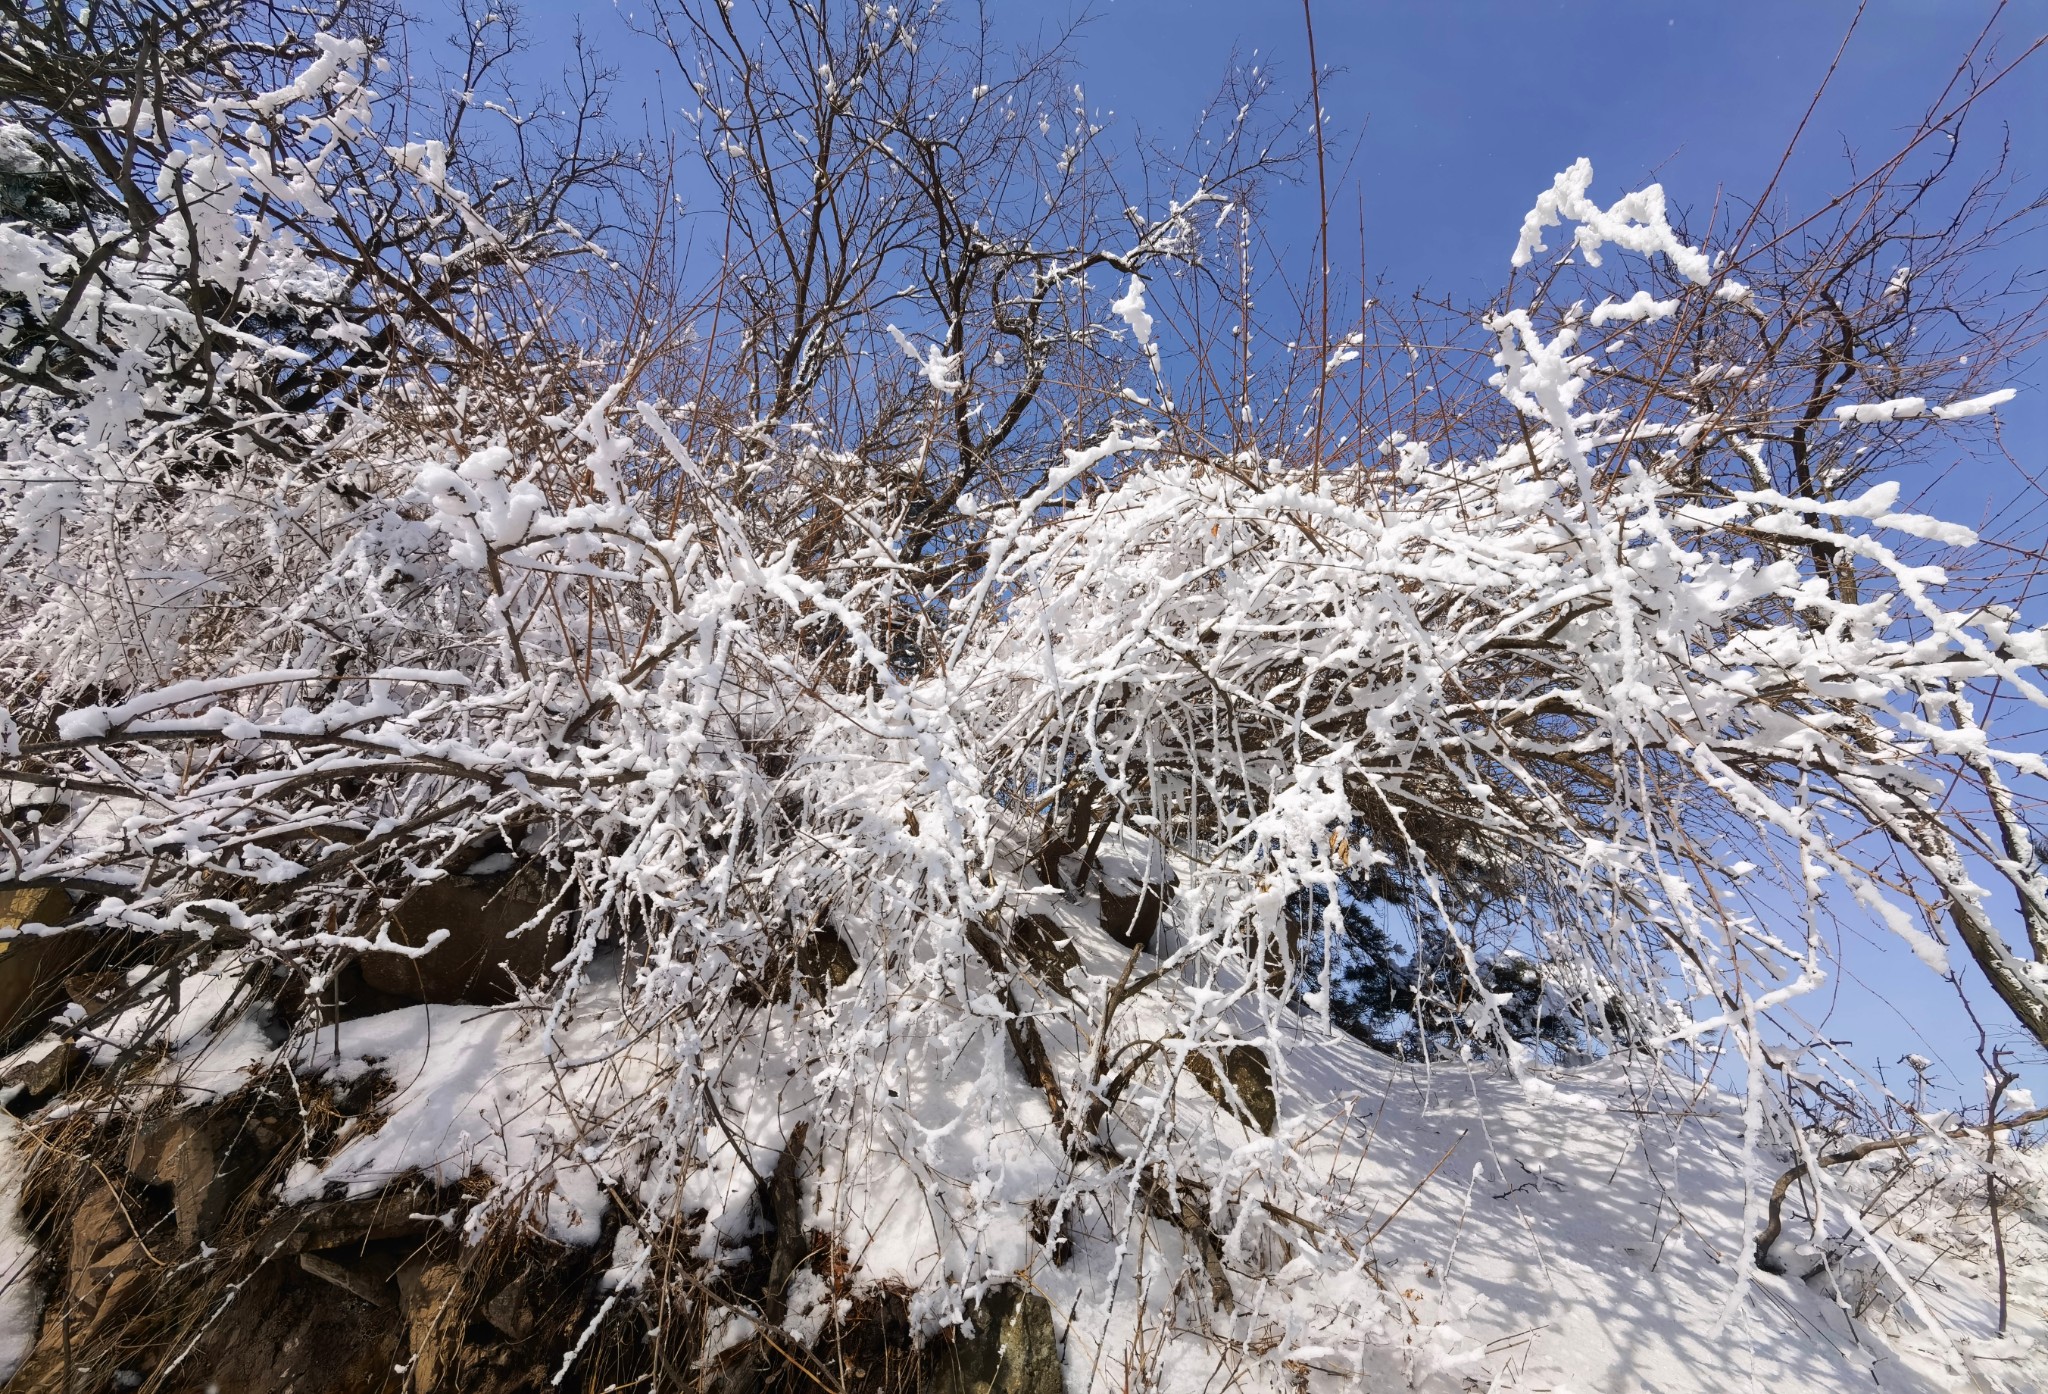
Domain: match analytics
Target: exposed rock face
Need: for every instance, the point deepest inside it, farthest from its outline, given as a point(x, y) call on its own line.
point(494, 943)
point(33, 968)
point(109, 1264)
point(1014, 1349)
point(1127, 869)
point(185, 1152)
point(171, 1264)
point(430, 1297)
point(208, 1160)
point(1245, 1086)
point(119, 1267)
point(1046, 947)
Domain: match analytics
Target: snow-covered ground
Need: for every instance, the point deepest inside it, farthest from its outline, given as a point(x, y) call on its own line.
point(20, 1293)
point(1586, 1232)
point(1445, 1227)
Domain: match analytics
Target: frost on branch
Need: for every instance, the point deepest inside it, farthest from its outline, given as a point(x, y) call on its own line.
point(876, 942)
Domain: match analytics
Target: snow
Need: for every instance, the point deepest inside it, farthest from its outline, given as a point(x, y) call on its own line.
point(940, 369)
point(1591, 1237)
point(1266, 679)
point(1898, 409)
point(1906, 408)
point(1976, 406)
point(1130, 308)
point(212, 1041)
point(21, 1303)
point(1437, 1226)
point(478, 1092)
point(1639, 308)
point(1576, 1230)
point(1635, 221)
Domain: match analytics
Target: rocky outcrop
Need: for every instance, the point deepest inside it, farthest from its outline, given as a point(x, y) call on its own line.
point(1244, 1085)
point(1129, 872)
point(33, 967)
point(169, 1258)
point(1013, 1347)
point(498, 936)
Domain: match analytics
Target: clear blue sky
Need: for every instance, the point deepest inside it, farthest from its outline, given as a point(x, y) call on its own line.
point(1449, 116)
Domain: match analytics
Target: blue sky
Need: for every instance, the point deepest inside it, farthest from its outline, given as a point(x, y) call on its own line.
point(1446, 119)
point(1461, 112)
point(1449, 118)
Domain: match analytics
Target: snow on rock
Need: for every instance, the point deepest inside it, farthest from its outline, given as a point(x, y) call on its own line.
point(216, 1040)
point(1584, 1236)
point(1427, 1226)
point(477, 1092)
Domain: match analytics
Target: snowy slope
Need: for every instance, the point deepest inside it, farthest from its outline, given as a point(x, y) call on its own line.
point(1444, 1226)
point(1587, 1234)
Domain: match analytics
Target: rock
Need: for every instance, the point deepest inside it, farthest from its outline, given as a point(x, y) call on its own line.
point(33, 967)
point(282, 1328)
point(43, 1070)
point(1014, 1348)
point(1136, 885)
point(109, 1264)
point(20, 905)
point(823, 962)
point(189, 1153)
point(1046, 947)
point(208, 1159)
point(363, 1286)
point(510, 1311)
point(1057, 1243)
point(782, 1207)
point(1250, 1077)
point(485, 959)
point(430, 1293)
point(106, 1268)
point(1127, 869)
point(1132, 919)
point(398, 1212)
point(742, 1370)
point(94, 991)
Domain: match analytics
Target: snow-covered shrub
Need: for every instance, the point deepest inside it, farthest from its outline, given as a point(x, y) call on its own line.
point(806, 809)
